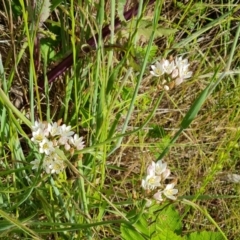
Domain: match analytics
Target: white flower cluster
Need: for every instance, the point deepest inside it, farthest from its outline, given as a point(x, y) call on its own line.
point(157, 173)
point(176, 69)
point(49, 137)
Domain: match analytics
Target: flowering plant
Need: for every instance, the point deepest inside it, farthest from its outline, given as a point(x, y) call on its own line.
point(176, 70)
point(157, 173)
point(50, 137)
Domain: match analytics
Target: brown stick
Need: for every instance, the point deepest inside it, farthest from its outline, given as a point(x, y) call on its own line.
point(68, 61)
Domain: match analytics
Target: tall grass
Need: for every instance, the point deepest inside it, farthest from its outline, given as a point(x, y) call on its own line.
point(126, 118)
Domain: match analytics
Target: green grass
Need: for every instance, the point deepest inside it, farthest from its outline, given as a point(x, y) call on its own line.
point(126, 119)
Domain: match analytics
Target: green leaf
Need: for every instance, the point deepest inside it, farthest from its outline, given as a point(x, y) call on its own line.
point(142, 225)
point(196, 106)
point(145, 33)
point(139, 225)
point(47, 51)
point(55, 3)
point(120, 9)
point(205, 236)
point(40, 11)
point(145, 29)
point(167, 234)
point(43, 9)
point(169, 218)
point(129, 233)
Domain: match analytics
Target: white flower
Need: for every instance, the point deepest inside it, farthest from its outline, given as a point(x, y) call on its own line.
point(40, 126)
point(160, 167)
point(182, 70)
point(63, 140)
point(38, 136)
point(168, 66)
point(183, 73)
point(46, 146)
point(165, 174)
point(47, 162)
point(54, 129)
point(170, 191)
point(53, 163)
point(65, 134)
point(178, 69)
point(77, 142)
point(57, 166)
point(151, 169)
point(158, 69)
point(35, 164)
point(151, 182)
point(175, 73)
point(181, 62)
point(48, 169)
point(158, 196)
point(65, 130)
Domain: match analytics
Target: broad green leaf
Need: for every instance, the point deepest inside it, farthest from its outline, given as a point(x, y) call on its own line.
point(39, 10)
point(139, 222)
point(47, 51)
point(43, 9)
point(167, 234)
point(145, 29)
point(120, 9)
point(142, 225)
point(169, 218)
point(205, 236)
point(145, 33)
